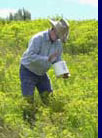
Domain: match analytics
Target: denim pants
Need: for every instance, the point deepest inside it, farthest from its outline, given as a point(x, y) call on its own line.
point(30, 80)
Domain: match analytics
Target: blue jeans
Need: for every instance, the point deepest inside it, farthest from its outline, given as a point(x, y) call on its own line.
point(30, 80)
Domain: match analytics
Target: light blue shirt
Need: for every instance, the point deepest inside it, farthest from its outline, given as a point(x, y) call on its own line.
point(40, 47)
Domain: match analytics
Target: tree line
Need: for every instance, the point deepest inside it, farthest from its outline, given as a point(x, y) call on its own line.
point(20, 15)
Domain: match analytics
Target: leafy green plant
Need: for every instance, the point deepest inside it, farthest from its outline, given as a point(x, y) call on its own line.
point(73, 109)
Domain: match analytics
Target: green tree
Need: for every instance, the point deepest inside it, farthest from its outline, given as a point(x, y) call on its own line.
point(20, 15)
point(26, 15)
point(11, 17)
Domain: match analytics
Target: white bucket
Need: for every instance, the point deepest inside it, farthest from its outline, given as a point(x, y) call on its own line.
point(60, 68)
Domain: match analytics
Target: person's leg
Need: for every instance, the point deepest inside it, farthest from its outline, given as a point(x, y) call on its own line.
point(44, 88)
point(28, 110)
point(28, 82)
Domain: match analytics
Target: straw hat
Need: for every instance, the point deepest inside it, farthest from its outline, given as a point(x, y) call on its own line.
point(62, 28)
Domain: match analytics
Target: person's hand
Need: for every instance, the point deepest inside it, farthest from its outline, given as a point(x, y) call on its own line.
point(65, 76)
point(53, 57)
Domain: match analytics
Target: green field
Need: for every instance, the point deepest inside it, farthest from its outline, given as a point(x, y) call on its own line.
point(73, 112)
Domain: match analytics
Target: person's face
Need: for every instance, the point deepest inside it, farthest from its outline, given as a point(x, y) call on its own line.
point(54, 36)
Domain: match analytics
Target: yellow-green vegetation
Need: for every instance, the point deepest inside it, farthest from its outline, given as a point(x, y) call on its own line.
point(73, 111)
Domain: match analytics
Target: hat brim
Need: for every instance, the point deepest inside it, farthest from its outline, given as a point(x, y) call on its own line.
point(53, 23)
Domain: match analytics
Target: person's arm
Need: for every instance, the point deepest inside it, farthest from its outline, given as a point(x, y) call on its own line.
point(34, 48)
point(59, 56)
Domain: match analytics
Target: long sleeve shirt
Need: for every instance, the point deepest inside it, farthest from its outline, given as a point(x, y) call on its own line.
point(40, 47)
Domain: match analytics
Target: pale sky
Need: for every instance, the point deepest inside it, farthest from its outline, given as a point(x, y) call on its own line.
point(70, 9)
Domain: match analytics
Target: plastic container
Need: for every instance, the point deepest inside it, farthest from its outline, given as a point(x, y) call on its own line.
point(60, 68)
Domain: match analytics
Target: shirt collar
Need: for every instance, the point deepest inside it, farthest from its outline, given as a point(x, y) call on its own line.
point(46, 35)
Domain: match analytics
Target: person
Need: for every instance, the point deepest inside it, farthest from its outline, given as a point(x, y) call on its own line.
point(44, 49)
